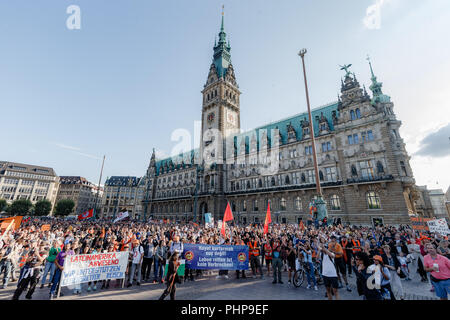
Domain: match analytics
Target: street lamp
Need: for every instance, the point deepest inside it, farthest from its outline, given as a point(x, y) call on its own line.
point(320, 203)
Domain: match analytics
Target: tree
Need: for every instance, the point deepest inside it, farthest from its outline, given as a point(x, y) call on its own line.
point(21, 207)
point(64, 207)
point(42, 208)
point(3, 205)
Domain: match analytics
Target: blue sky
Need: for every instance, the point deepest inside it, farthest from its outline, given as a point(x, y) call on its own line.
point(133, 73)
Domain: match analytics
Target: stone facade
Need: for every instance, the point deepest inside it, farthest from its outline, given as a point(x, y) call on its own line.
point(123, 194)
point(81, 191)
point(364, 166)
point(25, 181)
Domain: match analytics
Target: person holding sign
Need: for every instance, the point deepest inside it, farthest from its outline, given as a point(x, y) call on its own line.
point(172, 277)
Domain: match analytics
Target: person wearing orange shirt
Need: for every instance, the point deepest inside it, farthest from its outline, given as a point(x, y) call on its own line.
point(339, 263)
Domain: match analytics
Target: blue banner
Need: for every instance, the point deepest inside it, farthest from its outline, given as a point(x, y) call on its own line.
point(207, 257)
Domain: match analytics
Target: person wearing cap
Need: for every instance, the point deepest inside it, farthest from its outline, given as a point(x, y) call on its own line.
point(137, 253)
point(360, 264)
point(386, 290)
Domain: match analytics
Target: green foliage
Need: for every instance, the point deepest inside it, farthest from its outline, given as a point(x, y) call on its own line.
point(42, 208)
point(20, 207)
point(3, 205)
point(64, 207)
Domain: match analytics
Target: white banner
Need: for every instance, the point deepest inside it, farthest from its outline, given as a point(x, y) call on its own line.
point(439, 225)
point(94, 267)
point(121, 216)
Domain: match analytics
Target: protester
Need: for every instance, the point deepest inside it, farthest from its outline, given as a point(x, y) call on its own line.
point(172, 277)
point(50, 265)
point(439, 268)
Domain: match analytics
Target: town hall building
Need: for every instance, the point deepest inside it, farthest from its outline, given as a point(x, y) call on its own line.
point(364, 167)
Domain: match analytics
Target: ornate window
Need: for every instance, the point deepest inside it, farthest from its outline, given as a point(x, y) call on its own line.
point(352, 115)
point(244, 205)
point(283, 204)
point(320, 175)
point(373, 200)
point(298, 204)
point(287, 181)
point(335, 203)
point(273, 181)
point(303, 178)
point(366, 169)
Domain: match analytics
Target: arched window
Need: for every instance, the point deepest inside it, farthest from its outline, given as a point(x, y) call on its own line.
point(373, 200)
point(286, 180)
point(354, 172)
point(320, 175)
point(273, 181)
point(248, 184)
point(244, 205)
point(298, 204)
point(283, 204)
point(358, 114)
point(352, 115)
point(303, 178)
point(260, 183)
point(335, 203)
point(233, 206)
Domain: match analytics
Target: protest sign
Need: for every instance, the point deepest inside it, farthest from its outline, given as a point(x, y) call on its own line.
point(45, 227)
point(223, 257)
point(94, 267)
point(439, 226)
point(209, 220)
point(420, 223)
point(17, 221)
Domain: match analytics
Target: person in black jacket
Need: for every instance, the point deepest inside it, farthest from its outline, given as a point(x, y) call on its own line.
point(171, 277)
point(360, 263)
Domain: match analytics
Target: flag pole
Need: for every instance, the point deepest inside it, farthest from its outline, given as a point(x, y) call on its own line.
point(98, 188)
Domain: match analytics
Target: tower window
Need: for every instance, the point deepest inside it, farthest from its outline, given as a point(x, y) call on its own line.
point(358, 114)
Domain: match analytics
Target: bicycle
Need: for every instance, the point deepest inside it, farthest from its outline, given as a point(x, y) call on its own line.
point(302, 270)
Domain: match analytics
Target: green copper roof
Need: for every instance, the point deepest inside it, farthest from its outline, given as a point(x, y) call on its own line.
point(222, 53)
point(177, 161)
point(282, 126)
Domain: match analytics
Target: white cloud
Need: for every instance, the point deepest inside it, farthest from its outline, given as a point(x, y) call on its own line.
point(372, 20)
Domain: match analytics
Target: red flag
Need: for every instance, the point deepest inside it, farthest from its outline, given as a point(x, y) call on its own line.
point(268, 220)
point(86, 215)
point(228, 216)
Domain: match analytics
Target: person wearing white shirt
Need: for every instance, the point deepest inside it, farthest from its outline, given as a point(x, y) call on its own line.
point(176, 246)
point(138, 254)
point(329, 273)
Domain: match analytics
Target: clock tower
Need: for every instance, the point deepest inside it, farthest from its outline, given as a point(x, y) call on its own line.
point(220, 112)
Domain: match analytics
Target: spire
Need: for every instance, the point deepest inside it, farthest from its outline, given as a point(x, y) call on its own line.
point(223, 14)
point(222, 55)
point(376, 86)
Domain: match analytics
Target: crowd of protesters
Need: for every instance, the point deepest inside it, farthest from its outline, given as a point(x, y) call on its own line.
point(375, 259)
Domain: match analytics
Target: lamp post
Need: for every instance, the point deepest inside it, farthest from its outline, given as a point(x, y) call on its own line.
point(320, 203)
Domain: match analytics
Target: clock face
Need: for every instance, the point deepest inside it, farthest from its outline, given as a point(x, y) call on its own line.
point(231, 118)
point(210, 117)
